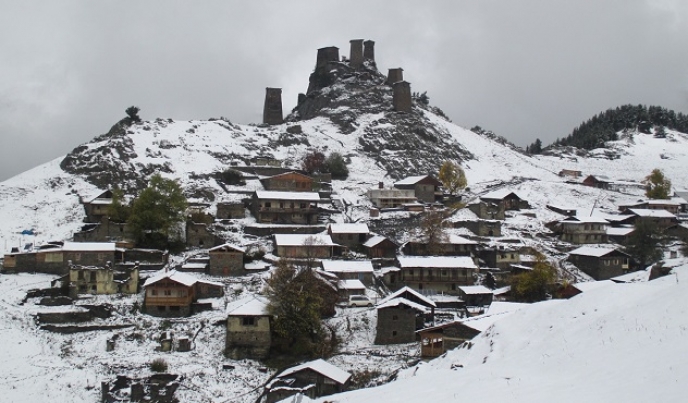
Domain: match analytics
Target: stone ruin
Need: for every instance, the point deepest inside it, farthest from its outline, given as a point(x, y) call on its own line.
point(158, 388)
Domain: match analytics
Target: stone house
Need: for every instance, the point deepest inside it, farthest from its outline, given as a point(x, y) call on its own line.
point(425, 187)
point(350, 269)
point(305, 246)
point(349, 234)
point(583, 230)
point(598, 181)
point(103, 279)
point(391, 198)
point(312, 379)
point(678, 231)
point(500, 258)
point(380, 247)
point(289, 182)
point(673, 205)
point(400, 314)
point(230, 210)
point(104, 231)
point(226, 260)
point(437, 274)
point(286, 207)
point(476, 296)
point(199, 235)
point(619, 235)
point(481, 227)
point(249, 334)
point(600, 263)
point(436, 340)
point(506, 198)
point(453, 245)
point(488, 211)
point(170, 293)
point(661, 218)
point(570, 173)
point(98, 207)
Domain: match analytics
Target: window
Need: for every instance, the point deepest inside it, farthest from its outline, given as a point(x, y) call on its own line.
point(268, 204)
point(168, 292)
point(394, 333)
point(395, 317)
point(80, 275)
point(93, 276)
point(248, 321)
point(154, 292)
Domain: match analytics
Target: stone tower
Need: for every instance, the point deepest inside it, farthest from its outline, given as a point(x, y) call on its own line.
point(356, 54)
point(326, 55)
point(369, 50)
point(272, 110)
point(402, 96)
point(395, 75)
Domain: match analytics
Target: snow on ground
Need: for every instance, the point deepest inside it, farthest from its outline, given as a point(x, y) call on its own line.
point(621, 343)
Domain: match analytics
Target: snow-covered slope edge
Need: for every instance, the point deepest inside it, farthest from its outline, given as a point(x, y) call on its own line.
point(621, 343)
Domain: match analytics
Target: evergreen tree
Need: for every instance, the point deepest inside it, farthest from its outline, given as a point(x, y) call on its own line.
point(336, 165)
point(157, 212)
point(536, 284)
point(645, 244)
point(118, 211)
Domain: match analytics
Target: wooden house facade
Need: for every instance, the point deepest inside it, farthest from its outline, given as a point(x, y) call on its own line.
point(286, 207)
point(426, 188)
point(380, 247)
point(172, 293)
point(304, 246)
point(600, 263)
point(437, 274)
point(436, 340)
point(289, 182)
point(352, 235)
point(312, 379)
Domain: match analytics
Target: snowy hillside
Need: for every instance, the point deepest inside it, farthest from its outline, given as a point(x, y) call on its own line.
point(620, 343)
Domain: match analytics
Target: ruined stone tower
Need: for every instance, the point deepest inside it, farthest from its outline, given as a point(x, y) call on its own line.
point(395, 75)
point(369, 50)
point(326, 55)
point(272, 110)
point(356, 54)
point(402, 96)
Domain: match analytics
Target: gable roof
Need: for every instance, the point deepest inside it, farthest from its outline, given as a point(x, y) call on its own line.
point(594, 251)
point(412, 180)
point(376, 240)
point(300, 239)
point(248, 306)
point(584, 220)
point(295, 196)
point(414, 293)
point(474, 289)
point(227, 248)
point(402, 301)
point(89, 247)
point(499, 195)
point(641, 212)
point(348, 266)
point(448, 262)
point(322, 367)
point(174, 275)
point(349, 228)
point(350, 285)
point(286, 174)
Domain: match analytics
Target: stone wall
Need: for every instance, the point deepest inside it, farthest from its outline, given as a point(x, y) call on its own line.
point(401, 97)
point(396, 325)
point(248, 341)
point(272, 110)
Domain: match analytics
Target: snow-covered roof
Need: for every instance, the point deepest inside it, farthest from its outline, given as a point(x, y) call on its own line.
point(249, 306)
point(349, 228)
point(619, 231)
point(674, 201)
point(437, 262)
point(173, 275)
point(592, 251)
point(303, 240)
point(474, 289)
point(322, 367)
point(411, 180)
point(228, 246)
point(642, 212)
point(411, 291)
point(351, 285)
point(348, 266)
point(194, 265)
point(375, 240)
point(584, 220)
point(89, 246)
point(499, 194)
point(296, 196)
point(402, 301)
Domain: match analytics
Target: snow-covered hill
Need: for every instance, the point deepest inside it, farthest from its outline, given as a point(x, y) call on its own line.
point(620, 343)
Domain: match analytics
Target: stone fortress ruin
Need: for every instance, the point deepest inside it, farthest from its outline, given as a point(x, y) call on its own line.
point(361, 56)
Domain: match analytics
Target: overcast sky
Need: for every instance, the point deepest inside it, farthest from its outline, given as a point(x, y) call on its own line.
point(525, 69)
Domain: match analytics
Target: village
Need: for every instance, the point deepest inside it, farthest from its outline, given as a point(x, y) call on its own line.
point(429, 290)
point(407, 269)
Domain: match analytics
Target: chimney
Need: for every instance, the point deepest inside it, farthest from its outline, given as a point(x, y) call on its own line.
point(272, 110)
point(380, 185)
point(369, 50)
point(356, 53)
